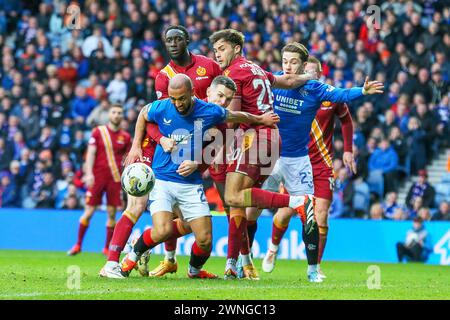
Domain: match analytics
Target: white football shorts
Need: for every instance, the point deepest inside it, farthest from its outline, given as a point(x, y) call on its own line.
point(190, 198)
point(295, 174)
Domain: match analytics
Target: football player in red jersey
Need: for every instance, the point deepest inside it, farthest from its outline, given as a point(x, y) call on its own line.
point(320, 151)
point(106, 148)
point(202, 71)
point(247, 168)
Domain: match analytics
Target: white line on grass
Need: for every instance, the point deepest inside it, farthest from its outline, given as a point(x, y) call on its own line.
point(140, 290)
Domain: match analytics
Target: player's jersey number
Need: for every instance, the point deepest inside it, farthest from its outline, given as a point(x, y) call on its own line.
point(265, 90)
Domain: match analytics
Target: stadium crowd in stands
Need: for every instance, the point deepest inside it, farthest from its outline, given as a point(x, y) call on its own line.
point(57, 83)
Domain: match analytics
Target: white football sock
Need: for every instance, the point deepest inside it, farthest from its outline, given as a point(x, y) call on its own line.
point(273, 247)
point(193, 270)
point(170, 255)
point(312, 268)
point(246, 259)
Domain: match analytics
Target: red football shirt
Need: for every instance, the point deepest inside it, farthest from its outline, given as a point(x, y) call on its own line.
point(202, 72)
point(111, 147)
point(253, 86)
point(321, 143)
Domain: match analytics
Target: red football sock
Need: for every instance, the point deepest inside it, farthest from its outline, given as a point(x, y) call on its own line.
point(147, 237)
point(122, 232)
point(109, 234)
point(323, 234)
point(278, 231)
point(82, 228)
point(266, 199)
point(198, 256)
point(245, 247)
point(238, 223)
point(171, 243)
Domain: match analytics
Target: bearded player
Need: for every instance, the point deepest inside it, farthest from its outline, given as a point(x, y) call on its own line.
point(294, 169)
point(202, 71)
point(106, 148)
point(181, 184)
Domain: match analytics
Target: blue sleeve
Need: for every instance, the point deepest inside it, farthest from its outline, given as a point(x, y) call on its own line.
point(151, 112)
point(218, 114)
point(326, 92)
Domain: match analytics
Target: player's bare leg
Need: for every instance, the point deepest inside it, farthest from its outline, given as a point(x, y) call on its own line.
point(169, 264)
point(280, 224)
point(82, 228)
point(322, 208)
point(162, 229)
point(201, 249)
point(110, 224)
point(122, 231)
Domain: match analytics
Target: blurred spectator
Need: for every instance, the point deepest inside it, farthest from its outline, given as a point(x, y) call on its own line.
point(384, 160)
point(416, 142)
point(82, 105)
point(99, 116)
point(46, 193)
point(443, 214)
point(9, 195)
point(6, 154)
point(399, 214)
point(376, 212)
point(417, 245)
point(423, 189)
point(117, 89)
point(424, 214)
point(390, 205)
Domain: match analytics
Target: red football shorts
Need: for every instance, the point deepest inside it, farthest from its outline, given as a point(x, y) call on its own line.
point(104, 183)
point(148, 151)
point(255, 153)
point(323, 178)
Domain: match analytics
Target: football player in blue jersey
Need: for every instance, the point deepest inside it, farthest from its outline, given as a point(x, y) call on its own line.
point(184, 119)
point(297, 109)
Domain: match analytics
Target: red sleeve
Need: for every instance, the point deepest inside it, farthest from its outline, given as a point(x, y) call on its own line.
point(161, 85)
point(270, 76)
point(347, 126)
point(95, 137)
point(153, 132)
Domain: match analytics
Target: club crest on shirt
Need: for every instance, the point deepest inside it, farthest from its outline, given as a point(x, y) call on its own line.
point(121, 139)
point(201, 71)
point(145, 142)
point(303, 92)
point(226, 72)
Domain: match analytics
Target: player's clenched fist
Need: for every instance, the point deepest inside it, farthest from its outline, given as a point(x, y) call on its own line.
point(270, 119)
point(187, 167)
point(167, 144)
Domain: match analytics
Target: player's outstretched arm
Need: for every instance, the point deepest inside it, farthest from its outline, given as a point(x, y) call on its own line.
point(139, 132)
point(326, 92)
point(268, 119)
point(292, 81)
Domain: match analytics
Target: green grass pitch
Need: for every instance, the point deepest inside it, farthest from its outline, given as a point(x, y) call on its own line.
point(44, 275)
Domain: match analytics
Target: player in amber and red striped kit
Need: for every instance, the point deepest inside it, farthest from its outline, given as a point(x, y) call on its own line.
point(247, 167)
point(107, 146)
point(202, 71)
point(321, 156)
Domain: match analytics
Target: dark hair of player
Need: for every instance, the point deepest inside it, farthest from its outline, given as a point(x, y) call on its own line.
point(178, 27)
point(228, 35)
point(296, 48)
point(225, 81)
point(316, 61)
